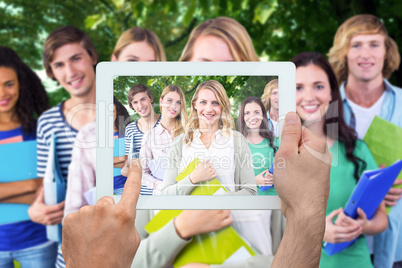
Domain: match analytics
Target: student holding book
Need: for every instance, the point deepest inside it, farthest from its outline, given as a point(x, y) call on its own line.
point(121, 119)
point(253, 124)
point(363, 57)
point(210, 137)
point(319, 106)
point(156, 142)
point(22, 99)
point(141, 100)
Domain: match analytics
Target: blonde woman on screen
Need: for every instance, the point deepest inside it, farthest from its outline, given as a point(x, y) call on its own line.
point(156, 142)
point(209, 136)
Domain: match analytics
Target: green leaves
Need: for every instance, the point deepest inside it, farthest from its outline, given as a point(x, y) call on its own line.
point(264, 11)
point(118, 3)
point(91, 22)
point(189, 15)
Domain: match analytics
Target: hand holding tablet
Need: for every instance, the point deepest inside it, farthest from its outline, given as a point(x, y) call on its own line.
point(302, 183)
point(104, 235)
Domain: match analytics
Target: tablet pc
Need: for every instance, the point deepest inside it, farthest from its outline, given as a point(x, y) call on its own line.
point(109, 72)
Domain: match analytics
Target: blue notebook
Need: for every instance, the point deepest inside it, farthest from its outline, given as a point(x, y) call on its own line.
point(18, 161)
point(55, 188)
point(119, 147)
point(118, 150)
point(264, 188)
point(368, 195)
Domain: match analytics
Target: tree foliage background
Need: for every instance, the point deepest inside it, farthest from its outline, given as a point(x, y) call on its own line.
point(237, 87)
point(279, 28)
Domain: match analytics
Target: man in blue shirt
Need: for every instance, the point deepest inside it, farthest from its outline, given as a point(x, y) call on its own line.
point(363, 57)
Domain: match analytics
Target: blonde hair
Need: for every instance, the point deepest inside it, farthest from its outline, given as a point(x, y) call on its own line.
point(181, 119)
point(138, 34)
point(358, 25)
point(229, 30)
point(226, 122)
point(266, 97)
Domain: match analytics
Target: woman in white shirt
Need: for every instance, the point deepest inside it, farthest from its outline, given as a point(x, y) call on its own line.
point(209, 137)
point(156, 142)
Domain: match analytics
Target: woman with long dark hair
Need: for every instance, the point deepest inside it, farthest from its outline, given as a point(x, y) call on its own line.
point(319, 105)
point(253, 124)
point(22, 100)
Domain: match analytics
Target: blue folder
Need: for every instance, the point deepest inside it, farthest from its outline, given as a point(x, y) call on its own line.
point(57, 190)
point(264, 188)
point(18, 162)
point(368, 195)
point(119, 147)
point(118, 150)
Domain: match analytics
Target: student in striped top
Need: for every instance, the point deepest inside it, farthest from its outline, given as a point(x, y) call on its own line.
point(69, 58)
point(141, 100)
point(22, 99)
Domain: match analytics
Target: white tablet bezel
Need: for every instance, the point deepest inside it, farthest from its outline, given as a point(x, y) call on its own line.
point(106, 71)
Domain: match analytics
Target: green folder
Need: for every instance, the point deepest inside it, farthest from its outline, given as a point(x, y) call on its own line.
point(211, 248)
point(384, 141)
point(205, 187)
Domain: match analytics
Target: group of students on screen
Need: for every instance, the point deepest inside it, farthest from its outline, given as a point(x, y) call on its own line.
point(362, 58)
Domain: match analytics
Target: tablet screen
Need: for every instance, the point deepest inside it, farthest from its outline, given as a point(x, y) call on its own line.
point(202, 136)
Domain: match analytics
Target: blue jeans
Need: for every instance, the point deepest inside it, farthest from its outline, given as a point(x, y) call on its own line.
point(44, 257)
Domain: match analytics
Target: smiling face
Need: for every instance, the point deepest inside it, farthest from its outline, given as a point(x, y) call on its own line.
point(366, 57)
point(313, 93)
point(136, 51)
point(73, 68)
point(211, 48)
point(9, 90)
point(142, 104)
point(208, 109)
point(170, 105)
point(253, 115)
point(275, 99)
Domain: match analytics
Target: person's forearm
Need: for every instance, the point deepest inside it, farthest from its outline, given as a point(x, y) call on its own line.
point(27, 198)
point(302, 241)
point(172, 187)
point(164, 243)
point(16, 188)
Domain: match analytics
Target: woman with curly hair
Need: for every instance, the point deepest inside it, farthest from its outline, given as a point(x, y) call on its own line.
point(22, 100)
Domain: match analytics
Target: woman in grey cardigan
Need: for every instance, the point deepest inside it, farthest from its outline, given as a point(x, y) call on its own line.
point(209, 137)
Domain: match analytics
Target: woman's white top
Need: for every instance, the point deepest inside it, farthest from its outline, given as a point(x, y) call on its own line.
point(220, 153)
